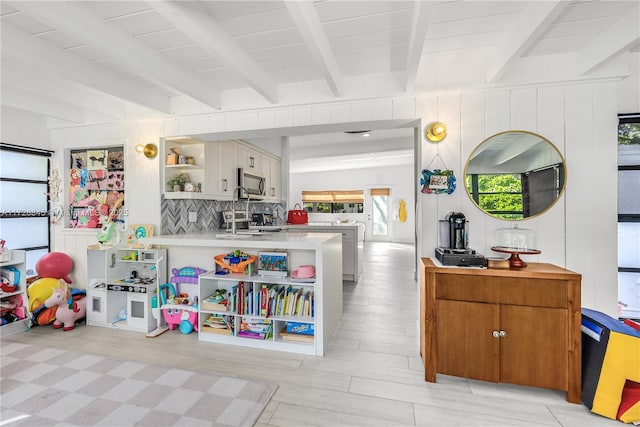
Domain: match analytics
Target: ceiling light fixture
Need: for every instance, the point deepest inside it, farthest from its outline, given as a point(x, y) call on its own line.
point(436, 132)
point(359, 132)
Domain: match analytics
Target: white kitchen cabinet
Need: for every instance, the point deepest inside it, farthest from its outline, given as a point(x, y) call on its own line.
point(274, 179)
point(215, 168)
point(219, 169)
point(228, 169)
point(249, 158)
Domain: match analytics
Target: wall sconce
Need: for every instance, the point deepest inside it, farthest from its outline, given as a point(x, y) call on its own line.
point(149, 150)
point(436, 132)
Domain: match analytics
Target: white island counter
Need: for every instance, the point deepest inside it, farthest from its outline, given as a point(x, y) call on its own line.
point(323, 250)
point(352, 243)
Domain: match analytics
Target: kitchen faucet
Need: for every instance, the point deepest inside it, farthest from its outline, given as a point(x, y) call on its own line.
point(233, 206)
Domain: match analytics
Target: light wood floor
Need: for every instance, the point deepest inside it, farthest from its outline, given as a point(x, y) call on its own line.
point(371, 375)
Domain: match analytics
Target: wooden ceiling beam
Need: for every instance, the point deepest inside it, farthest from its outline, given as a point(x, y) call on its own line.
point(534, 20)
point(619, 37)
point(38, 104)
point(306, 18)
point(39, 53)
point(76, 20)
point(417, 39)
point(196, 23)
point(43, 83)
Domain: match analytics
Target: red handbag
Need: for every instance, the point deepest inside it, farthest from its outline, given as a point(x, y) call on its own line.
point(297, 215)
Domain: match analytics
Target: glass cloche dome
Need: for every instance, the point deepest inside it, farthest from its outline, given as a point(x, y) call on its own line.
point(515, 241)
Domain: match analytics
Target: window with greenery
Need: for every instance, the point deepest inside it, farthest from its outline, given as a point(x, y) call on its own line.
point(516, 196)
point(24, 205)
point(349, 201)
point(629, 216)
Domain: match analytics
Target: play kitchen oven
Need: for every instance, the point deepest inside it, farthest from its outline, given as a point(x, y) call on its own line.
point(122, 283)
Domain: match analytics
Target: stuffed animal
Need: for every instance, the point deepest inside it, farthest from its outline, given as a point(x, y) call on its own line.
point(69, 310)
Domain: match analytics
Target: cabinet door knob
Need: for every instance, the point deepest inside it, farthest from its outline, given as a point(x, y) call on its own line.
point(496, 334)
point(503, 334)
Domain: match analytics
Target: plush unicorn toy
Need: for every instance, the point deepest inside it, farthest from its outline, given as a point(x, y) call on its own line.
point(68, 310)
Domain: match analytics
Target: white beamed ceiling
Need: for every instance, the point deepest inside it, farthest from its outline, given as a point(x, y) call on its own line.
point(86, 62)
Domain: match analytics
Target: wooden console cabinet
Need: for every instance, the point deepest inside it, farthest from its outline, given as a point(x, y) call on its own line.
point(501, 325)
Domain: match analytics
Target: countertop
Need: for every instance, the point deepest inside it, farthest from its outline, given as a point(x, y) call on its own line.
point(284, 227)
point(262, 240)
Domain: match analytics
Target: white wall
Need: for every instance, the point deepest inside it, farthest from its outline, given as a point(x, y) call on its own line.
point(398, 178)
point(22, 128)
point(579, 232)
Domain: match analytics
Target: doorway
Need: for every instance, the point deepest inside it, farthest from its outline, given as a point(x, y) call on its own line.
point(377, 207)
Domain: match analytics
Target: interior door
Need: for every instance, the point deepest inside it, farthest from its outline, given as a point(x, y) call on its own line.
point(377, 204)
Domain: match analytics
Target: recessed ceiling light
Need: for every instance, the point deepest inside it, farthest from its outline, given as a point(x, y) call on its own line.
point(356, 132)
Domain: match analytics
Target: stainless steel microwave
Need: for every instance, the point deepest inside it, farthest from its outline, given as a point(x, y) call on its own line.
point(253, 186)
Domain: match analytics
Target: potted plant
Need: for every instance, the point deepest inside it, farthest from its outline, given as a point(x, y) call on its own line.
point(177, 182)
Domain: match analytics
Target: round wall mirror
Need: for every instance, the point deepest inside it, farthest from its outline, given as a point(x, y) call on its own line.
point(515, 175)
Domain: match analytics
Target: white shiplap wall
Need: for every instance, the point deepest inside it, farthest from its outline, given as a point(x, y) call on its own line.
point(579, 232)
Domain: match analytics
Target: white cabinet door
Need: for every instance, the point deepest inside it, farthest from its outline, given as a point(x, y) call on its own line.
point(248, 158)
point(228, 168)
point(274, 180)
point(213, 173)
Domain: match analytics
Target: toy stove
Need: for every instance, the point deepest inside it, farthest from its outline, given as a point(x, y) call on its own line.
point(137, 288)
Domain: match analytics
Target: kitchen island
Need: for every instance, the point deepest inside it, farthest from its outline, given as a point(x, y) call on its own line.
point(352, 243)
point(323, 250)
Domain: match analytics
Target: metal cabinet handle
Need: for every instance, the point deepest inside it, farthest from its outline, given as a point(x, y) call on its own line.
point(503, 334)
point(252, 162)
point(224, 185)
point(496, 334)
point(273, 191)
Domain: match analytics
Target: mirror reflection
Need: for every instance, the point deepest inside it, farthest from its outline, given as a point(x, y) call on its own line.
point(515, 175)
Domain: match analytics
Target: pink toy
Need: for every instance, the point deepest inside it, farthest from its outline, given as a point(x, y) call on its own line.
point(185, 316)
point(56, 265)
point(68, 311)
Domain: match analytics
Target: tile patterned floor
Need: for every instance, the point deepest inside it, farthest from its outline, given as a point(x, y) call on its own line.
point(43, 386)
point(372, 373)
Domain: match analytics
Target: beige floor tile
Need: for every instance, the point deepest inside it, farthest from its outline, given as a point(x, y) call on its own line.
point(349, 403)
point(287, 415)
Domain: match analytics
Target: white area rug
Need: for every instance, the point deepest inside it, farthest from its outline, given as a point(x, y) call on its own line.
point(42, 386)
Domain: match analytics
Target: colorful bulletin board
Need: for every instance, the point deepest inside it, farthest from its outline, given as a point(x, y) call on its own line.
point(96, 183)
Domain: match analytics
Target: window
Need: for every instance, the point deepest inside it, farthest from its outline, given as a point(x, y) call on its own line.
point(351, 201)
point(516, 196)
point(24, 205)
point(629, 216)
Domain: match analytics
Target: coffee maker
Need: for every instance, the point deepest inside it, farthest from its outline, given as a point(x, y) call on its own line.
point(453, 238)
